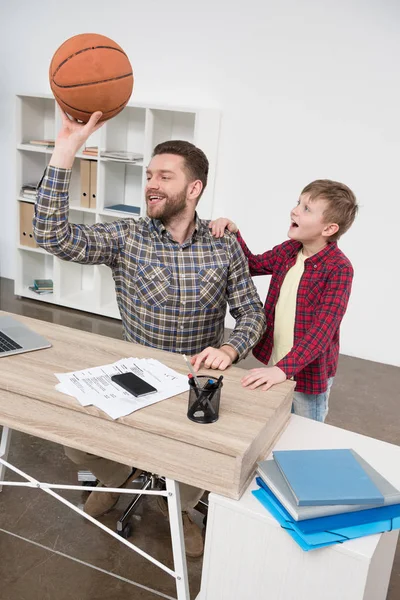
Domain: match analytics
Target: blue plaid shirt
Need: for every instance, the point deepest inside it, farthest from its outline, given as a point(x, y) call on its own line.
point(171, 296)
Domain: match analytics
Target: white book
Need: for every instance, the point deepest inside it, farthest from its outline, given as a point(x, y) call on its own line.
point(122, 155)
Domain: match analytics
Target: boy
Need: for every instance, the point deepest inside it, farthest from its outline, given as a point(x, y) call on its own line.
point(307, 298)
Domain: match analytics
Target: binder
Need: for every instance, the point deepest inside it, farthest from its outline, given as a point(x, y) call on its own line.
point(93, 184)
point(326, 477)
point(85, 183)
point(26, 212)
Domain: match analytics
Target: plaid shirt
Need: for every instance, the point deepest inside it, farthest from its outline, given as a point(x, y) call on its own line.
point(171, 296)
point(322, 298)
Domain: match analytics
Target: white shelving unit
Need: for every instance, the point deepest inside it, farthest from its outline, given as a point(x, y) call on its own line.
point(137, 129)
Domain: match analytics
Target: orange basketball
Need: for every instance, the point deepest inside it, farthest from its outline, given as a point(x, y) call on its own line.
point(90, 72)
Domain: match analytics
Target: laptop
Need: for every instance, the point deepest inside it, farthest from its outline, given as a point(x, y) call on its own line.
point(16, 338)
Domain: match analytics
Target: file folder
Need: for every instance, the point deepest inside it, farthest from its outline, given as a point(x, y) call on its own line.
point(26, 212)
point(326, 477)
point(93, 184)
point(85, 183)
point(336, 529)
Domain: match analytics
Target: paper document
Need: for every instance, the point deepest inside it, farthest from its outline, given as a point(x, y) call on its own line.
point(94, 386)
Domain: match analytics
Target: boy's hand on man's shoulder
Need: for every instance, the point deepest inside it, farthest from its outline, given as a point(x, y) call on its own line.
point(265, 377)
point(218, 227)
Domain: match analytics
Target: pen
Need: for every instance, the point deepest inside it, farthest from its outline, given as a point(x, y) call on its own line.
point(216, 386)
point(192, 384)
point(192, 372)
point(219, 381)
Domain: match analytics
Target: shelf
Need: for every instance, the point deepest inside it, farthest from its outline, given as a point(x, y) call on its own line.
point(72, 207)
point(30, 168)
point(171, 125)
point(119, 214)
point(138, 163)
point(27, 293)
point(31, 148)
point(77, 281)
point(110, 310)
point(107, 296)
point(82, 209)
point(86, 156)
point(82, 216)
point(35, 264)
point(138, 128)
point(28, 249)
point(36, 119)
point(22, 199)
point(126, 131)
point(84, 300)
point(121, 184)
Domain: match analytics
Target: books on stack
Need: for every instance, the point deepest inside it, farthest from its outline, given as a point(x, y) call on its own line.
point(324, 497)
point(42, 286)
point(90, 151)
point(29, 191)
point(122, 156)
point(47, 143)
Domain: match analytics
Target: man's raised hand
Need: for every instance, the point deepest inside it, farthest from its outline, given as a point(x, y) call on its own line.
point(71, 137)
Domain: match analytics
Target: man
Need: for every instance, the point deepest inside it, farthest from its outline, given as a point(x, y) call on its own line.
point(172, 277)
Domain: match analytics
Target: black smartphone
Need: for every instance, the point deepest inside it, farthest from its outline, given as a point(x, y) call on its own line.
point(133, 384)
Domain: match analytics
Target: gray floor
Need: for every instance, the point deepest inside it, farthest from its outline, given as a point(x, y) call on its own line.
point(364, 398)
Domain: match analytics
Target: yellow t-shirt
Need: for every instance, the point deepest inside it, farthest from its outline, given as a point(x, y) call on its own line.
point(285, 311)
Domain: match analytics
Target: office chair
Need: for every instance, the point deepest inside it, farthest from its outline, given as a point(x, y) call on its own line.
point(149, 481)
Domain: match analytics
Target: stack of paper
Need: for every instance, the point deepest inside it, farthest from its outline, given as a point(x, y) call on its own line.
point(324, 497)
point(94, 386)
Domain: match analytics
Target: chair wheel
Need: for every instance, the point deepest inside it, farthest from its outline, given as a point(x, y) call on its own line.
point(126, 532)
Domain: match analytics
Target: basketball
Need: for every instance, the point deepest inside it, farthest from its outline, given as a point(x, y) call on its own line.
point(90, 72)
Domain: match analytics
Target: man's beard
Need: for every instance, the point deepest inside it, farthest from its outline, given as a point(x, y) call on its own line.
point(170, 207)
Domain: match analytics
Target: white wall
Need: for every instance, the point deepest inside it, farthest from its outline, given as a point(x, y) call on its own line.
point(308, 88)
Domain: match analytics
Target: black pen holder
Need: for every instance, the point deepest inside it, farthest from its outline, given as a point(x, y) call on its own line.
point(204, 401)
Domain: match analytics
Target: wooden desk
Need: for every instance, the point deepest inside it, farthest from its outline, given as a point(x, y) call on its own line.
point(160, 438)
point(219, 457)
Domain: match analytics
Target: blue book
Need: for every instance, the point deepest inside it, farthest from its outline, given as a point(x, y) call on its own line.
point(124, 208)
point(326, 477)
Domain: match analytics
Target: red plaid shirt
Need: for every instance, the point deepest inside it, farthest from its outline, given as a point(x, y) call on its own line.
point(322, 298)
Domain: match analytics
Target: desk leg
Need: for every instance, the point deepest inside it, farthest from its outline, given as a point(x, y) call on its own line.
point(178, 541)
point(4, 448)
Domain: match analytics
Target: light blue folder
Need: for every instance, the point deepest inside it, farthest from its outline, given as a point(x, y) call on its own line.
point(326, 477)
point(316, 533)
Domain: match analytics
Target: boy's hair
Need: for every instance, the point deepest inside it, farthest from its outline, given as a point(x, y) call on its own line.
point(196, 162)
point(342, 204)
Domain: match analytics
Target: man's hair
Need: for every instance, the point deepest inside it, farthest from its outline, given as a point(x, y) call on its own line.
point(196, 162)
point(342, 204)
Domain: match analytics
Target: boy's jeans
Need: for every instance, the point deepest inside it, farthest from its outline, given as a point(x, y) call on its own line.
point(312, 406)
